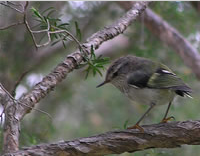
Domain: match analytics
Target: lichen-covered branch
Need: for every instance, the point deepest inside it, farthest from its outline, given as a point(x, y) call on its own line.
point(50, 81)
point(171, 37)
point(163, 135)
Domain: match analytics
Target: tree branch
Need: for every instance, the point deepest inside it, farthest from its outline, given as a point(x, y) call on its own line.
point(8, 4)
point(163, 135)
point(50, 81)
point(11, 25)
point(170, 36)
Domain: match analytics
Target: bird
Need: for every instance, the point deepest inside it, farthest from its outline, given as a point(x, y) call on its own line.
point(146, 82)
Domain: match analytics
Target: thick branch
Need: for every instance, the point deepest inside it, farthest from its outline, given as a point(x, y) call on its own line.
point(9, 105)
point(41, 89)
point(170, 36)
point(165, 135)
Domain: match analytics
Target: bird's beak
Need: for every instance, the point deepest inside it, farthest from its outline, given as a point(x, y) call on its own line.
point(101, 84)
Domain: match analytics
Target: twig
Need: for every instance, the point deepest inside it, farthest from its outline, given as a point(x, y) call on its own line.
point(12, 25)
point(18, 81)
point(9, 6)
point(25, 21)
point(49, 34)
point(68, 33)
point(17, 101)
point(28, 27)
point(40, 31)
point(29, 30)
point(14, 3)
point(26, 6)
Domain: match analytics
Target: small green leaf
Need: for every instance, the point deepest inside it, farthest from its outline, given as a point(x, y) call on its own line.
point(36, 13)
point(55, 42)
point(94, 71)
point(37, 25)
point(87, 72)
point(38, 20)
point(78, 31)
point(99, 72)
point(99, 66)
point(64, 44)
point(45, 19)
point(126, 124)
point(63, 24)
point(50, 8)
point(52, 20)
point(92, 52)
point(51, 12)
point(81, 66)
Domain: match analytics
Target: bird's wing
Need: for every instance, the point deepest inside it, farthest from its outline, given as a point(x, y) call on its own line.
point(161, 78)
point(138, 79)
point(164, 78)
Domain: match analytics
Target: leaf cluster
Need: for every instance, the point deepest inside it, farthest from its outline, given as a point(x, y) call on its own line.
point(94, 64)
point(54, 22)
point(45, 19)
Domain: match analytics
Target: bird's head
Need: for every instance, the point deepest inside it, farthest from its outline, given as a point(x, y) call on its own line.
point(117, 71)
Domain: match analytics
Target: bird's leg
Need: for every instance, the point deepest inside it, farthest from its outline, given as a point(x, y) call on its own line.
point(165, 119)
point(136, 126)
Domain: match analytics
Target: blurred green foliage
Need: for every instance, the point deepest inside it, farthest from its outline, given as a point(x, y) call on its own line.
point(79, 109)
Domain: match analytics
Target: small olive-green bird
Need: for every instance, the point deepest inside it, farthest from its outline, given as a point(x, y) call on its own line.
point(146, 82)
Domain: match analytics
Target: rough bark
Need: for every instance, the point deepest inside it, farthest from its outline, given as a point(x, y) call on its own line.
point(10, 131)
point(49, 82)
point(170, 36)
point(165, 135)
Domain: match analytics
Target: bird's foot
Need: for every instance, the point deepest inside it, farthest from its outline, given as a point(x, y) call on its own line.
point(165, 120)
point(136, 126)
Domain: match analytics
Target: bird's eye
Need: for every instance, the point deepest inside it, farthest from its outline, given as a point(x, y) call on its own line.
point(115, 74)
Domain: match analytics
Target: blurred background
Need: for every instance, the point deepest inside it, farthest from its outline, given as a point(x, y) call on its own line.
point(77, 107)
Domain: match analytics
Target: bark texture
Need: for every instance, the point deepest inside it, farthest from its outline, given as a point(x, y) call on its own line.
point(165, 135)
point(10, 132)
point(170, 36)
point(17, 111)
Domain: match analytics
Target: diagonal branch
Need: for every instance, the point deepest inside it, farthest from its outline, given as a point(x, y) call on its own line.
point(163, 135)
point(170, 36)
point(8, 4)
point(49, 82)
point(11, 25)
point(173, 39)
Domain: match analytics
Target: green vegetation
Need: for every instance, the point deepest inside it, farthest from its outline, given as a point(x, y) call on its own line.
point(77, 107)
